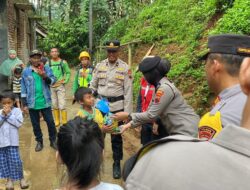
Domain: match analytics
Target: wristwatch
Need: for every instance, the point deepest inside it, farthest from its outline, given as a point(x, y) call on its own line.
point(129, 117)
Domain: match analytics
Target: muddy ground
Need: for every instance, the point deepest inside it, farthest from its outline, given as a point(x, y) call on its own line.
point(41, 169)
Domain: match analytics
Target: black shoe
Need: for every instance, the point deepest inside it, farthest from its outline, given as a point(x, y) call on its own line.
point(53, 145)
point(39, 146)
point(116, 170)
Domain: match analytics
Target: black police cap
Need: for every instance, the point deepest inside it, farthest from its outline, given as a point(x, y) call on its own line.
point(149, 63)
point(112, 45)
point(228, 44)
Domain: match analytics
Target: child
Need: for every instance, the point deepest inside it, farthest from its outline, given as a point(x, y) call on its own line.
point(16, 84)
point(84, 74)
point(85, 98)
point(80, 147)
point(11, 119)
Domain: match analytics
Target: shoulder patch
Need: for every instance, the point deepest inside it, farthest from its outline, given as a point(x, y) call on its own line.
point(206, 132)
point(120, 69)
point(210, 125)
point(159, 94)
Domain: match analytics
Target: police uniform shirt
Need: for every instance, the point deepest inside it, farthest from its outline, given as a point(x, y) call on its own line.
point(187, 163)
point(228, 110)
point(114, 80)
point(168, 104)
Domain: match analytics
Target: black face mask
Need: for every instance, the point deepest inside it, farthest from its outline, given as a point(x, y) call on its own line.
point(153, 77)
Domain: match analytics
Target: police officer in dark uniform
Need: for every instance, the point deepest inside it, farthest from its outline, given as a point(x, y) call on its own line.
point(112, 80)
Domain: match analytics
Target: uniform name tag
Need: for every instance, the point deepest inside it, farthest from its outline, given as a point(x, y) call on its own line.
point(120, 77)
point(102, 75)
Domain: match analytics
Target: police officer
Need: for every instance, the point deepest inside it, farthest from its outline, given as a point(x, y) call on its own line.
point(112, 80)
point(223, 61)
point(188, 163)
point(176, 115)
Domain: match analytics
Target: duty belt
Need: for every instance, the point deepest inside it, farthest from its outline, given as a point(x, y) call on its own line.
point(113, 99)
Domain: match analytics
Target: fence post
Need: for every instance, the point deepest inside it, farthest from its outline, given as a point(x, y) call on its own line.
point(129, 55)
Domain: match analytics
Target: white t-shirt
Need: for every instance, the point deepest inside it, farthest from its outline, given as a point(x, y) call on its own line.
point(107, 186)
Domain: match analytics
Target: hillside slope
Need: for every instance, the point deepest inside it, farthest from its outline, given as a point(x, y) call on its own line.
point(180, 30)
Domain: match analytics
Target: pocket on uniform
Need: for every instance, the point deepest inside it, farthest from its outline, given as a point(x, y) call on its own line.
point(102, 78)
point(119, 79)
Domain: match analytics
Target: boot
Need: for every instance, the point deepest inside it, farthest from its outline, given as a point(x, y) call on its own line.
point(64, 116)
point(9, 185)
point(39, 146)
point(56, 117)
point(24, 184)
point(53, 145)
point(116, 169)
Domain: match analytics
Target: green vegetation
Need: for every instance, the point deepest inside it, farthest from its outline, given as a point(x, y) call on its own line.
point(68, 23)
point(236, 19)
point(68, 37)
point(184, 25)
point(179, 28)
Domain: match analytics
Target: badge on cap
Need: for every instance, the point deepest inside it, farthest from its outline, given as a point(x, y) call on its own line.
point(244, 50)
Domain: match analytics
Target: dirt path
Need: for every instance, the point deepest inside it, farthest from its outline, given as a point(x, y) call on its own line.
point(41, 168)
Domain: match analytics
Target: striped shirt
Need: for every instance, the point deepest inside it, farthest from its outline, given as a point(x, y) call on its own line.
point(16, 85)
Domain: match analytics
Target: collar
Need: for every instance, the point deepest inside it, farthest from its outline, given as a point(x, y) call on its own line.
point(234, 138)
point(112, 65)
point(164, 79)
point(29, 68)
point(229, 92)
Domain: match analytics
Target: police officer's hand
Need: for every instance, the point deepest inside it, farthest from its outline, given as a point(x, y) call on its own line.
point(138, 129)
point(107, 129)
point(155, 129)
point(125, 127)
point(120, 116)
point(245, 76)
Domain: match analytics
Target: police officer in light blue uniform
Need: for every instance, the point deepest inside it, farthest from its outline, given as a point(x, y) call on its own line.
point(223, 61)
point(112, 80)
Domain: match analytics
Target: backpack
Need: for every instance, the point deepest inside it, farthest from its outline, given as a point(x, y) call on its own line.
point(60, 64)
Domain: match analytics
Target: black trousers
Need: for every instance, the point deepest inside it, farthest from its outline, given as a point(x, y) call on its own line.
point(146, 133)
point(48, 117)
point(117, 143)
point(161, 130)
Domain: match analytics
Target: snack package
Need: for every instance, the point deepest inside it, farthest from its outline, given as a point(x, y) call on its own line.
point(108, 120)
point(103, 106)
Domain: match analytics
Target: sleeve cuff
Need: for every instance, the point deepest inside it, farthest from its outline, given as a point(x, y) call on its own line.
point(9, 115)
point(2, 116)
point(133, 124)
